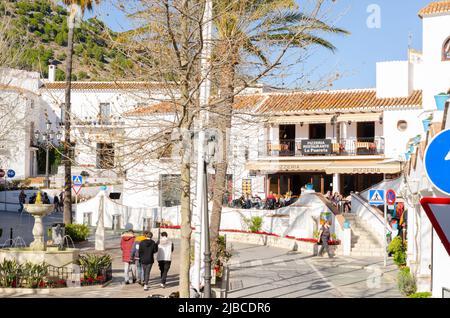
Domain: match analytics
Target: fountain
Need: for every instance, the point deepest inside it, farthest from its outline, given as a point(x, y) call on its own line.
point(38, 252)
point(38, 210)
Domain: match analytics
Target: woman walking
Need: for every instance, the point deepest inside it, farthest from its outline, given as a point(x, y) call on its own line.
point(324, 236)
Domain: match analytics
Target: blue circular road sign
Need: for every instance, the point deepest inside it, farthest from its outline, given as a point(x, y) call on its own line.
point(11, 173)
point(437, 161)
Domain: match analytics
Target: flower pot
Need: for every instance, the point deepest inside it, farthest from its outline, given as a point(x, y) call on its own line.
point(407, 156)
point(440, 101)
point(426, 124)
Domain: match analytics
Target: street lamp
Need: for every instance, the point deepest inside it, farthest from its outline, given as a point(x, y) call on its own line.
point(47, 138)
point(209, 158)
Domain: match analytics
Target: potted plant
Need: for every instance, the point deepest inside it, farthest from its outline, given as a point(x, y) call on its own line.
point(441, 99)
point(427, 122)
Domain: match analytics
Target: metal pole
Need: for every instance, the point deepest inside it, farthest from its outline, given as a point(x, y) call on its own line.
point(385, 234)
point(205, 88)
point(47, 180)
point(207, 290)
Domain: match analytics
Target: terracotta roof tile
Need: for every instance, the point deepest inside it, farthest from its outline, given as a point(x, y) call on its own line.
point(303, 102)
point(435, 7)
point(165, 107)
point(105, 85)
point(241, 103)
point(334, 101)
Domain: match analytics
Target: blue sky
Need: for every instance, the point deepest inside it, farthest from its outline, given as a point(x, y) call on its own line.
point(356, 54)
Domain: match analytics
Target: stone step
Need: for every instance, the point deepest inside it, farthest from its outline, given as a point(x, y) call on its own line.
point(368, 254)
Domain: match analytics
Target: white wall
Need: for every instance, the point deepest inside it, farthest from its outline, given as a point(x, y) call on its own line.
point(395, 140)
point(436, 72)
point(441, 267)
point(393, 79)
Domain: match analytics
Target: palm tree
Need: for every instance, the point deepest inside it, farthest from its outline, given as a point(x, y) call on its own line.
point(250, 27)
point(73, 6)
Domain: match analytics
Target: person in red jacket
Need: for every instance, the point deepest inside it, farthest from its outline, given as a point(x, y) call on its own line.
point(126, 245)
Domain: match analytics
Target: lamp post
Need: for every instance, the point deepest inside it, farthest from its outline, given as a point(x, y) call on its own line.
point(47, 137)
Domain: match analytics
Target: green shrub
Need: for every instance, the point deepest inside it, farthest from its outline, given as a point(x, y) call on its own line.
point(398, 249)
point(223, 255)
point(254, 224)
point(406, 282)
point(94, 264)
point(77, 232)
point(420, 295)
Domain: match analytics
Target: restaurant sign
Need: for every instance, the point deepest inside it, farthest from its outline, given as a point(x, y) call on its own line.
point(316, 147)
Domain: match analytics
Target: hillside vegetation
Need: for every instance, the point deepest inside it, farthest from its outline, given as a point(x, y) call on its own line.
point(40, 29)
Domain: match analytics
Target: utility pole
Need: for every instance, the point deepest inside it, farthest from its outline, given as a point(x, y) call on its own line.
point(201, 208)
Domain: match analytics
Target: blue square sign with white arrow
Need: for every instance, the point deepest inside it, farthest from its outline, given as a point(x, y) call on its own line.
point(77, 180)
point(437, 161)
point(376, 196)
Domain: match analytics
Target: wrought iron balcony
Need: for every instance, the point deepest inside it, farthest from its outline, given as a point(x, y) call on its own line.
point(352, 146)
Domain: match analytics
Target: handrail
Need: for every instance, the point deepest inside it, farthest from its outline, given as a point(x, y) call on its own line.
point(371, 209)
point(375, 186)
point(333, 209)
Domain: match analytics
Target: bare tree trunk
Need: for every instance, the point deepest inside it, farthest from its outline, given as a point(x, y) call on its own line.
point(185, 246)
point(224, 111)
point(67, 143)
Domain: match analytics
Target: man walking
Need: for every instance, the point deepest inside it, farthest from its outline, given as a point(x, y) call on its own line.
point(135, 259)
point(56, 203)
point(164, 257)
point(126, 244)
point(147, 249)
point(324, 236)
point(22, 197)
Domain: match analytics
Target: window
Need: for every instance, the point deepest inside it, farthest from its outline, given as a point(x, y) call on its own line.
point(105, 156)
point(105, 113)
point(402, 125)
point(446, 50)
point(317, 131)
point(170, 190)
point(366, 131)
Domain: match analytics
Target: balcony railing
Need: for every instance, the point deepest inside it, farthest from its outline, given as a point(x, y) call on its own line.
point(323, 147)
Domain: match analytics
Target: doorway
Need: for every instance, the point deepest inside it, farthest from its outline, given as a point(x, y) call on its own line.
point(317, 131)
point(287, 140)
point(365, 131)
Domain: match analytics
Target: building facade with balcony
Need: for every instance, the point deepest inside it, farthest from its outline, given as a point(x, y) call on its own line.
point(339, 141)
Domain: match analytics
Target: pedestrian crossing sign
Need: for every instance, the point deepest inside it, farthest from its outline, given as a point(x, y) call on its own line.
point(376, 196)
point(77, 180)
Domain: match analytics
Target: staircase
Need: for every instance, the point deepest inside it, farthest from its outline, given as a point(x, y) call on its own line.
point(363, 241)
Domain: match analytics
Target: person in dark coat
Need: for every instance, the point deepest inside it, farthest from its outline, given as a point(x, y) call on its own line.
point(147, 249)
point(56, 203)
point(22, 197)
point(324, 237)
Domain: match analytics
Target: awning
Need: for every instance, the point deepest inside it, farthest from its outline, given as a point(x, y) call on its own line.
point(363, 167)
point(287, 166)
point(359, 117)
point(306, 119)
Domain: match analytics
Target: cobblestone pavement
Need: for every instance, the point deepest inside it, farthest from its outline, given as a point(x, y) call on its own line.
point(265, 272)
point(256, 272)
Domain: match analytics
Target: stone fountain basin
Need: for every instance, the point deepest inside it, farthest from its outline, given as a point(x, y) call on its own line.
point(39, 209)
point(26, 254)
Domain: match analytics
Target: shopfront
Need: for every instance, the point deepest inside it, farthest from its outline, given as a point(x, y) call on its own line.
point(343, 176)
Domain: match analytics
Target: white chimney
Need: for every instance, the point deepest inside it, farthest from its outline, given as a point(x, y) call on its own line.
point(51, 73)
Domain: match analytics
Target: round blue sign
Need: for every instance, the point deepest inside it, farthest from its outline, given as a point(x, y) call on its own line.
point(437, 161)
point(11, 173)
